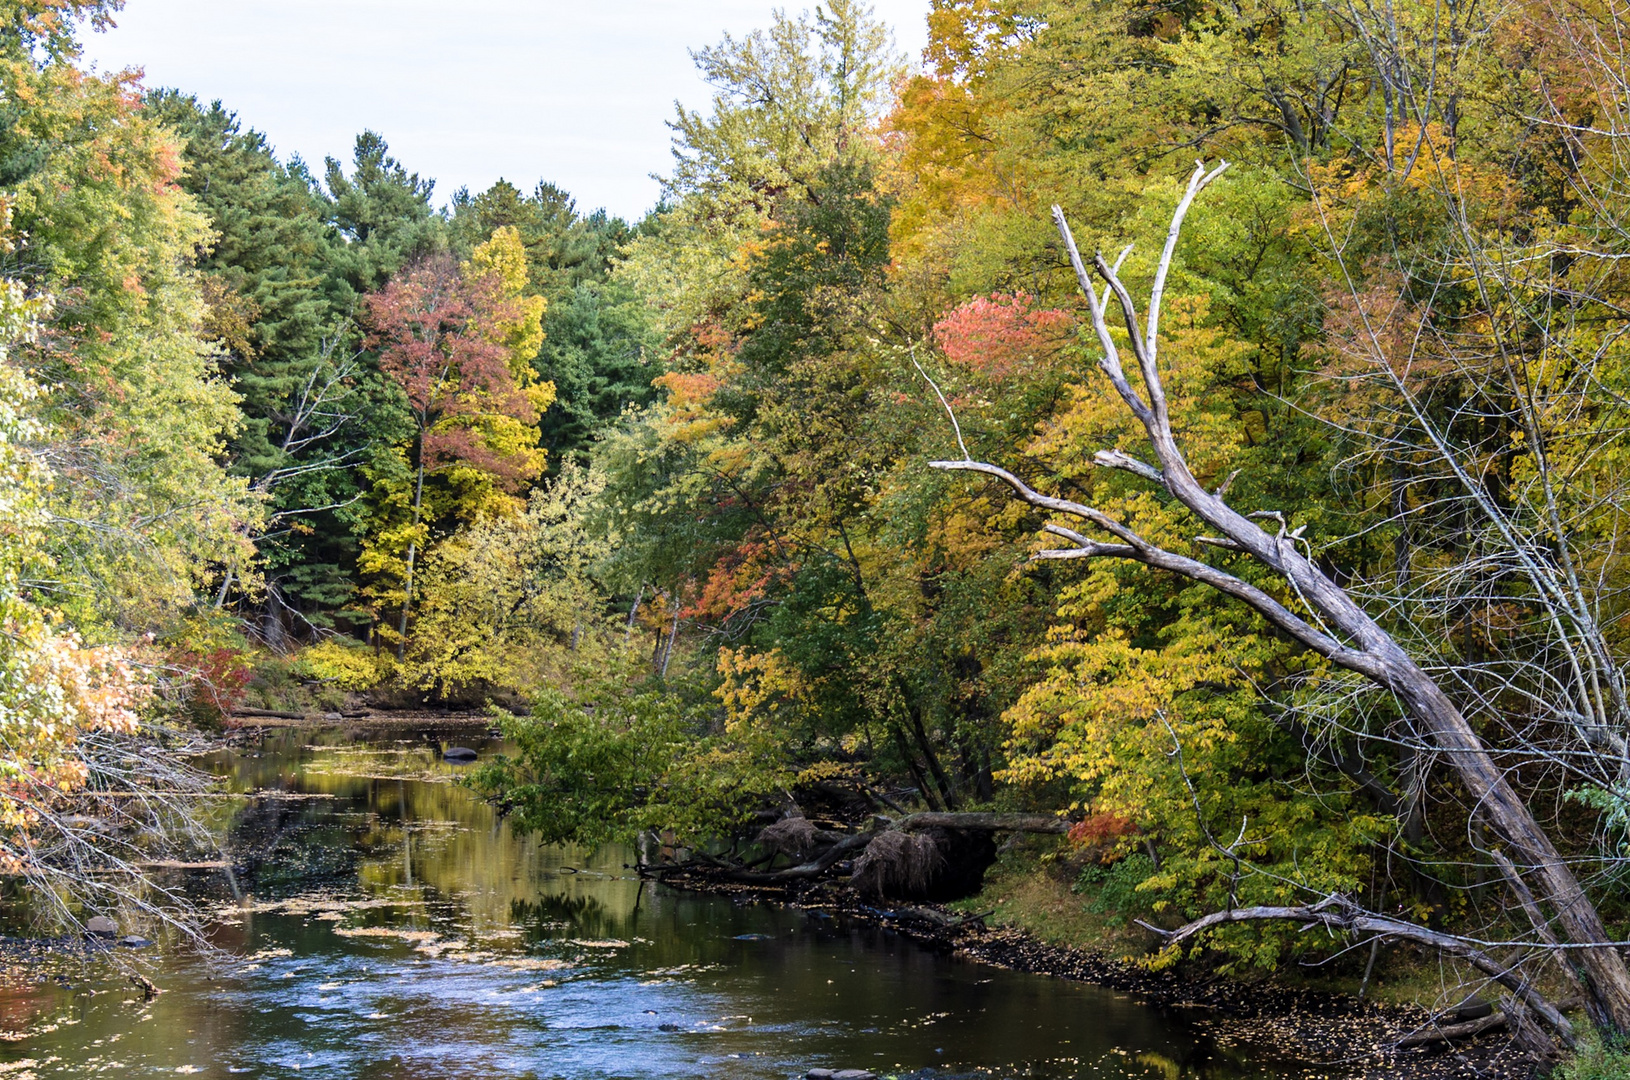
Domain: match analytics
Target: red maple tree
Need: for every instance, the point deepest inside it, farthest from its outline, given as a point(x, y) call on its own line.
point(439, 333)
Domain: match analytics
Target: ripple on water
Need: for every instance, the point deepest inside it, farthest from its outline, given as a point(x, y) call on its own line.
point(395, 929)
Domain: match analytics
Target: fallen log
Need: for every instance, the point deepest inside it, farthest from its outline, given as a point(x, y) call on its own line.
point(805, 871)
point(842, 845)
point(267, 714)
point(1451, 1032)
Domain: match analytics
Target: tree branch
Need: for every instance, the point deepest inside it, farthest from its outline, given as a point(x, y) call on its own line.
point(1339, 914)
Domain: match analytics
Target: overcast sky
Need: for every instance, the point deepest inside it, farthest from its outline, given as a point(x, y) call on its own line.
point(572, 91)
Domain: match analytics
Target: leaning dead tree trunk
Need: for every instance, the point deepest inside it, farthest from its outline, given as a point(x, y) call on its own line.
point(1339, 913)
point(1341, 629)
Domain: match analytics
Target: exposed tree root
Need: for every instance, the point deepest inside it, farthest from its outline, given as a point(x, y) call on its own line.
point(893, 856)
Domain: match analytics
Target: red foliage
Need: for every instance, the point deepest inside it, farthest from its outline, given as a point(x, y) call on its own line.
point(437, 336)
point(739, 577)
point(1100, 829)
point(214, 681)
point(1000, 335)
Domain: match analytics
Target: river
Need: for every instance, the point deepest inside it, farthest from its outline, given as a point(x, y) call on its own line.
point(388, 926)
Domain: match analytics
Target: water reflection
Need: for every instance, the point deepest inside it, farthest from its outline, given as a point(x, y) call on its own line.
point(394, 927)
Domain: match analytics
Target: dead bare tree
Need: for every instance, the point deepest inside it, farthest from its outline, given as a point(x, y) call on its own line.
point(1328, 620)
point(104, 848)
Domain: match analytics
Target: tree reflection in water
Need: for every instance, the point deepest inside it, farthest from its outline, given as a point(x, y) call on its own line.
point(396, 927)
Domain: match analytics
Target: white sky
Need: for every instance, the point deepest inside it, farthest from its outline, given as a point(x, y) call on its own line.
point(571, 91)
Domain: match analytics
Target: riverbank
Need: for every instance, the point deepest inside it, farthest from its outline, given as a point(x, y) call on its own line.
point(251, 720)
point(1037, 925)
point(1311, 1034)
point(403, 926)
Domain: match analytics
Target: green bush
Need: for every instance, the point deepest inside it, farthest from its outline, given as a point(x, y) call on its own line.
point(1113, 890)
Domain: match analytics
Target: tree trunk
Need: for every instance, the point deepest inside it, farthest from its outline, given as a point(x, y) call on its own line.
point(989, 822)
point(633, 613)
point(1602, 969)
point(1341, 631)
point(946, 789)
point(915, 769)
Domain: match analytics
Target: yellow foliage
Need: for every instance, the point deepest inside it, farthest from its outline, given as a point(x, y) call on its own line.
point(347, 666)
point(759, 689)
point(503, 259)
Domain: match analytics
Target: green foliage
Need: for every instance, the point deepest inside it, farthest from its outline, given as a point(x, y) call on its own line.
point(383, 212)
point(1118, 889)
point(510, 601)
point(615, 763)
point(602, 356)
point(1596, 1059)
point(143, 509)
point(283, 325)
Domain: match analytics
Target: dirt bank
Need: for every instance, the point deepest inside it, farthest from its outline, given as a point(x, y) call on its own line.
point(389, 719)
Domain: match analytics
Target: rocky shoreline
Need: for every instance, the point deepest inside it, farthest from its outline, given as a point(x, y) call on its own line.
point(1306, 1033)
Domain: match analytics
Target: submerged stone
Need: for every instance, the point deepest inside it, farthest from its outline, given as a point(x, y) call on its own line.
point(459, 754)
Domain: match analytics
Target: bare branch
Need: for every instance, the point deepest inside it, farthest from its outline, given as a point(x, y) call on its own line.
point(1337, 913)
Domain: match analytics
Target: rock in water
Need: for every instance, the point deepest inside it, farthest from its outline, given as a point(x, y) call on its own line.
point(853, 1074)
point(134, 942)
point(101, 926)
point(819, 1074)
point(459, 754)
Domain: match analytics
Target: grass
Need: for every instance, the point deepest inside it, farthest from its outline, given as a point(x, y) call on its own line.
point(1595, 1061)
point(1030, 888)
point(1036, 896)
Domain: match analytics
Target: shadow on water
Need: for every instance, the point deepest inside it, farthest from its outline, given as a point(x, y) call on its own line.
point(392, 926)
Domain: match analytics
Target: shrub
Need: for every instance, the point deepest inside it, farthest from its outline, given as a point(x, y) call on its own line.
point(1595, 1060)
point(349, 666)
point(209, 667)
point(1113, 890)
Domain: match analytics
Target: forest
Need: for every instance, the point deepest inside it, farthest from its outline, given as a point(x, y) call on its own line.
point(1184, 442)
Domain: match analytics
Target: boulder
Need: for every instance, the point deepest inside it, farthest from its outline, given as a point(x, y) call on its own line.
point(819, 1074)
point(459, 754)
point(131, 941)
point(101, 926)
point(853, 1074)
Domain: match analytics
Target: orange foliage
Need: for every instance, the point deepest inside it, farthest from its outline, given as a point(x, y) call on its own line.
point(1002, 335)
point(738, 579)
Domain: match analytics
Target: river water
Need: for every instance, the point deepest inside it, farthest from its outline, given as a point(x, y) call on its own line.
point(389, 926)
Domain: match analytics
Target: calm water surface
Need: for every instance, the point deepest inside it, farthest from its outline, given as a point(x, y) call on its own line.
point(389, 926)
